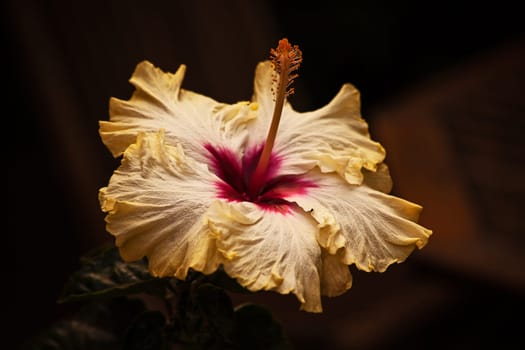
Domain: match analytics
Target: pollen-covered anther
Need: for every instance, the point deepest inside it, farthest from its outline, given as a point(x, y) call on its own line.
point(286, 59)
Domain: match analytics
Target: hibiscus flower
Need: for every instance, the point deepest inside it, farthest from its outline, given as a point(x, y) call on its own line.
point(282, 200)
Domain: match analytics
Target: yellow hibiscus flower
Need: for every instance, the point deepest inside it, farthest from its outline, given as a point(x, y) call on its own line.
point(204, 184)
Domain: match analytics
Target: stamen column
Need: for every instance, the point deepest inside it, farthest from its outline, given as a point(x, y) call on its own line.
point(286, 60)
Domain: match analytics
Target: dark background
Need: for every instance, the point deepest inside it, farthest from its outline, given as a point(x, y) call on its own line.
point(64, 60)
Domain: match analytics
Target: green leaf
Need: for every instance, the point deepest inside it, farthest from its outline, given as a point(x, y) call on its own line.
point(146, 332)
point(257, 329)
point(105, 274)
point(221, 279)
point(73, 334)
point(217, 309)
point(205, 317)
point(94, 326)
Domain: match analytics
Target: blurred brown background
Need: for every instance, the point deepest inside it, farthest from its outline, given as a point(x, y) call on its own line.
point(442, 87)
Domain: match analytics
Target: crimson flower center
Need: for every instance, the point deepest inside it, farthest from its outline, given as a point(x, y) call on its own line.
point(237, 182)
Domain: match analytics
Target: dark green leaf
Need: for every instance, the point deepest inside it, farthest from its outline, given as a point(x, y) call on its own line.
point(217, 309)
point(204, 318)
point(146, 332)
point(105, 274)
point(257, 329)
point(73, 334)
point(221, 279)
point(95, 325)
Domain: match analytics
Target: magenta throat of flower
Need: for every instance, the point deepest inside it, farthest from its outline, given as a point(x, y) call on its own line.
point(238, 182)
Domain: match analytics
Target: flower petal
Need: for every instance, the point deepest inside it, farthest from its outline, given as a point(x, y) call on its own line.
point(266, 250)
point(189, 118)
point(156, 203)
point(335, 277)
point(373, 228)
point(378, 180)
point(335, 138)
